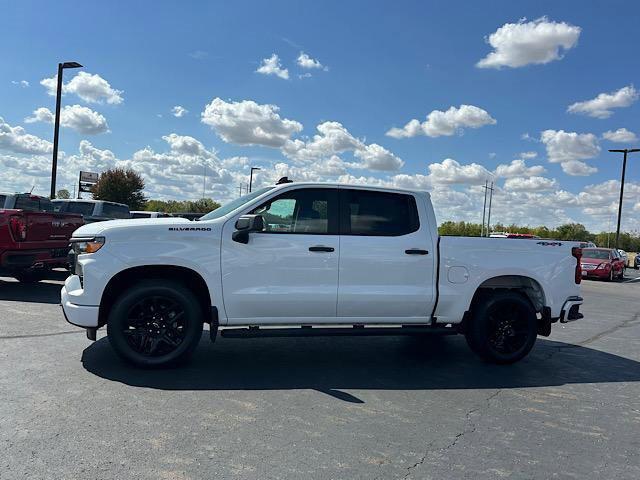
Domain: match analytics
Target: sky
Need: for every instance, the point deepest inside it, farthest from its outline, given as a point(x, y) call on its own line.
point(431, 95)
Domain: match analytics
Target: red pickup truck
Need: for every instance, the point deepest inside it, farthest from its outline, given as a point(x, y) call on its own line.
point(33, 238)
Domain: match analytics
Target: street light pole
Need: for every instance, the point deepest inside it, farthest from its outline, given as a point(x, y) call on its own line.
point(56, 125)
point(624, 169)
point(251, 177)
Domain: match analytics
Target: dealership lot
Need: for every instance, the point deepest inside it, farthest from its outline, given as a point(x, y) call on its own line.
point(321, 408)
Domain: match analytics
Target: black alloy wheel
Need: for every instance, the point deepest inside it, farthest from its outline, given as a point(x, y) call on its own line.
point(503, 327)
point(155, 323)
point(155, 326)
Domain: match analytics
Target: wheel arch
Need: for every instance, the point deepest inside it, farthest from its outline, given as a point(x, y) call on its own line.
point(526, 285)
point(128, 277)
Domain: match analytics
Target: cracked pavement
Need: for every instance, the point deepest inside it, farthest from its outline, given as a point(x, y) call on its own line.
point(352, 408)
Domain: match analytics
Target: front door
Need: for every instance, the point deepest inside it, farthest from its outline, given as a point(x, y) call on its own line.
point(289, 271)
point(386, 258)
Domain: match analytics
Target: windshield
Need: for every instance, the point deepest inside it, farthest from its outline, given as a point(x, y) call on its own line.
point(234, 204)
point(597, 254)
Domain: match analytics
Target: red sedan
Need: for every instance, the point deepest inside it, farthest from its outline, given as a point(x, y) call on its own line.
point(602, 263)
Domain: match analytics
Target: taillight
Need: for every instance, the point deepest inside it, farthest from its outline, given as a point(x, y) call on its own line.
point(577, 253)
point(18, 228)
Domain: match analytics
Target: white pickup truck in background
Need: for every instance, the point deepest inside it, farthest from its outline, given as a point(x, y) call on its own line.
point(315, 259)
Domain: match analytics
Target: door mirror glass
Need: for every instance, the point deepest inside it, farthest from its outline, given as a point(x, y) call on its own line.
point(246, 224)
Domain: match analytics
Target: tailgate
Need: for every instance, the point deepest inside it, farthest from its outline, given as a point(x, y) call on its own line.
point(50, 227)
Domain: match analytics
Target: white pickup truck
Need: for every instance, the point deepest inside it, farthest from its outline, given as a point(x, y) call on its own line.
point(302, 259)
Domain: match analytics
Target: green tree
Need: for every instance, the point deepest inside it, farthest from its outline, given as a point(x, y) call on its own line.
point(573, 231)
point(63, 194)
point(122, 186)
point(204, 205)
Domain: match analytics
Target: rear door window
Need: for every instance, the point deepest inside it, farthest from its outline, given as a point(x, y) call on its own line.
point(83, 208)
point(140, 215)
point(379, 214)
point(25, 202)
point(113, 210)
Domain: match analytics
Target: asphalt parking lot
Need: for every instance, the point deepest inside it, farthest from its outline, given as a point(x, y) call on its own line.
point(364, 408)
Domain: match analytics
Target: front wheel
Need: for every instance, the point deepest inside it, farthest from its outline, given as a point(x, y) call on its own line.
point(29, 276)
point(156, 323)
point(503, 328)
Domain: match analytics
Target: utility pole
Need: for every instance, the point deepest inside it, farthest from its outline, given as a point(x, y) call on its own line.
point(624, 168)
point(204, 180)
point(56, 124)
point(489, 215)
point(484, 208)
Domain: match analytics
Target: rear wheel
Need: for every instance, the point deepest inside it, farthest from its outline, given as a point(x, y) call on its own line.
point(503, 328)
point(156, 323)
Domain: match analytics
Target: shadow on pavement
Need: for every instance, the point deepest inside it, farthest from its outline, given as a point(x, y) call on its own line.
point(39, 292)
point(381, 363)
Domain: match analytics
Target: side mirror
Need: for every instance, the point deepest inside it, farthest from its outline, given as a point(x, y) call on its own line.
point(246, 224)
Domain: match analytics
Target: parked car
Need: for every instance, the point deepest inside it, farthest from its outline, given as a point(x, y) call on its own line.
point(604, 263)
point(636, 261)
point(93, 210)
point(624, 257)
point(145, 214)
point(273, 258)
point(33, 238)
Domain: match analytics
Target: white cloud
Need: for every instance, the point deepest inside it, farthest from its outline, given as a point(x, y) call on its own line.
point(272, 66)
point(179, 111)
point(16, 140)
point(21, 83)
point(249, 123)
point(305, 61)
point(449, 171)
point(199, 54)
point(622, 135)
point(531, 184)
point(537, 42)
point(578, 168)
point(528, 155)
point(439, 123)
point(518, 168)
point(79, 118)
point(186, 145)
point(600, 107)
point(90, 88)
point(569, 148)
point(333, 138)
point(375, 157)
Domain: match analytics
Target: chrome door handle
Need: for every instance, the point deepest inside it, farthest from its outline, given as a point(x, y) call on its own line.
point(321, 248)
point(416, 251)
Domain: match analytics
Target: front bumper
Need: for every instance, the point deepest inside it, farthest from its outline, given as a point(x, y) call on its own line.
point(571, 310)
point(79, 315)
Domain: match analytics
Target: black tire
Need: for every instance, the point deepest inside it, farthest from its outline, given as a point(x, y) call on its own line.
point(156, 323)
point(611, 276)
point(503, 328)
point(29, 276)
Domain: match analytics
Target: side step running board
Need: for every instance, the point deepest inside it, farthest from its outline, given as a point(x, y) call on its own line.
point(254, 332)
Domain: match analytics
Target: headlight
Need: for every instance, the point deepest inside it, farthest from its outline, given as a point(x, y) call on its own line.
point(89, 245)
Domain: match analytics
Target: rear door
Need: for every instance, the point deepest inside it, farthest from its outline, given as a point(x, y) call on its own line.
point(386, 258)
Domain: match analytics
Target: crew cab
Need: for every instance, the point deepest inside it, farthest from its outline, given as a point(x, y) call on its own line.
point(33, 238)
point(93, 210)
point(302, 259)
